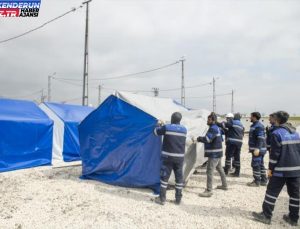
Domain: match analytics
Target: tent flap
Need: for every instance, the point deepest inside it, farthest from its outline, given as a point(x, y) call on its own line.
point(118, 146)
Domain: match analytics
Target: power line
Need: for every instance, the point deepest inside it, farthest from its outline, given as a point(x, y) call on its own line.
point(41, 26)
point(125, 75)
point(205, 97)
point(67, 82)
point(24, 96)
point(73, 99)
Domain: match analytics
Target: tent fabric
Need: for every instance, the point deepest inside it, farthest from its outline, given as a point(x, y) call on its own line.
point(117, 144)
point(66, 119)
point(25, 135)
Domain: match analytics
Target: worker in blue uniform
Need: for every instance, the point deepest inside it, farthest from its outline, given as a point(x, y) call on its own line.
point(257, 147)
point(172, 156)
point(284, 169)
point(214, 151)
point(234, 142)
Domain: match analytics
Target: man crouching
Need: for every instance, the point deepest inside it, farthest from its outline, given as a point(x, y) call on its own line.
point(214, 151)
point(172, 156)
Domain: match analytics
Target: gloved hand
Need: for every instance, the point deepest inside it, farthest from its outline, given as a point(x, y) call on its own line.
point(194, 139)
point(160, 123)
point(256, 152)
point(269, 173)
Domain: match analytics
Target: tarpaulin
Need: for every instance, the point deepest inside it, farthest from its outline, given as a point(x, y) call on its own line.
point(66, 119)
point(25, 135)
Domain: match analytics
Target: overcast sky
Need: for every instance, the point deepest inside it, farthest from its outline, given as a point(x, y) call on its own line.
point(252, 46)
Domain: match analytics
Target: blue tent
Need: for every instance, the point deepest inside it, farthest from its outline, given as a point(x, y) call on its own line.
point(117, 145)
point(66, 119)
point(25, 135)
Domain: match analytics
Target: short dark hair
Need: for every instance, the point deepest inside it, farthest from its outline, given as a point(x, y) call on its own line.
point(213, 116)
point(176, 118)
point(281, 116)
point(256, 114)
point(237, 116)
point(272, 115)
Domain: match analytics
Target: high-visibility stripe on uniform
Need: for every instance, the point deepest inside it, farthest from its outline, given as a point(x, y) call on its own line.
point(175, 133)
point(268, 202)
point(172, 154)
point(272, 197)
point(163, 182)
point(272, 161)
point(283, 169)
point(237, 126)
point(290, 142)
point(234, 139)
point(213, 150)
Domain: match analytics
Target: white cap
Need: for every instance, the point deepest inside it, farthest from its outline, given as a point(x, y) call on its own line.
point(229, 115)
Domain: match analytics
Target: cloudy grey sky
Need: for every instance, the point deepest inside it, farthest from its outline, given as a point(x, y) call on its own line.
point(252, 46)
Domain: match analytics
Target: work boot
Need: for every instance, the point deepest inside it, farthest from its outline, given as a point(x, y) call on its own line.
point(177, 201)
point(225, 188)
point(263, 183)
point(159, 201)
point(287, 219)
point(234, 174)
point(253, 184)
point(206, 193)
point(261, 217)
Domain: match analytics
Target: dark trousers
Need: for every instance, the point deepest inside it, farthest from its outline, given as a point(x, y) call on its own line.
point(259, 170)
point(233, 151)
point(274, 188)
point(167, 167)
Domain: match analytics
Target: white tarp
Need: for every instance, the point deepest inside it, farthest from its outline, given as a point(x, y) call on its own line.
point(58, 135)
point(162, 109)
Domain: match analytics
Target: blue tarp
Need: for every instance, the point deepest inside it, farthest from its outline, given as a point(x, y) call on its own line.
point(71, 115)
point(25, 135)
point(117, 146)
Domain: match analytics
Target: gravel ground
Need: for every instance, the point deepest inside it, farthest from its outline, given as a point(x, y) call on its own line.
point(45, 197)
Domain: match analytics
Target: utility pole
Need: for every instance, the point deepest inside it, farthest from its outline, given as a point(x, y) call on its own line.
point(182, 81)
point(99, 94)
point(49, 86)
point(85, 92)
point(232, 101)
point(155, 91)
point(43, 97)
point(214, 96)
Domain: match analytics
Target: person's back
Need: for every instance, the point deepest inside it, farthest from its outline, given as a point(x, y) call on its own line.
point(284, 169)
point(234, 144)
point(174, 140)
point(172, 155)
point(285, 145)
